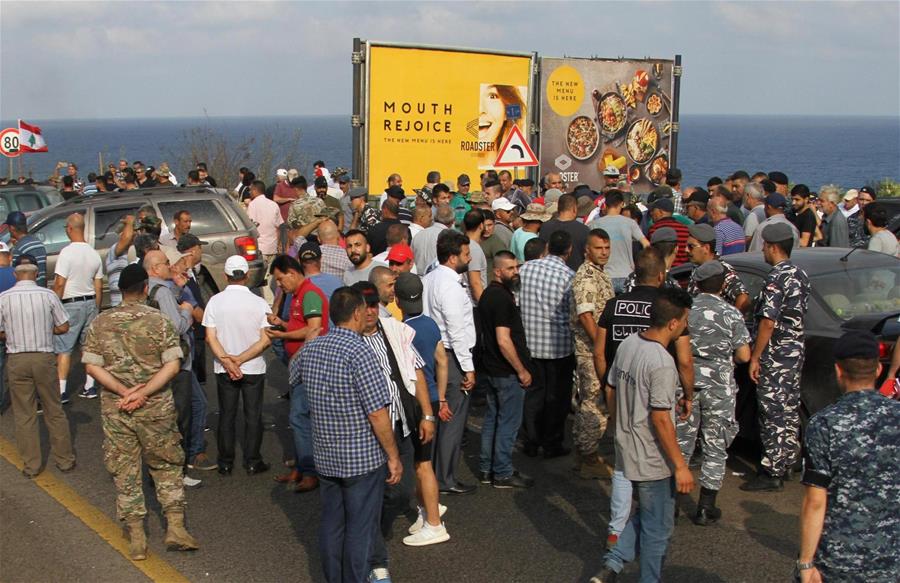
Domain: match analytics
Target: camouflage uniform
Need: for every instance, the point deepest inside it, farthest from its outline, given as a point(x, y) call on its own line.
point(631, 282)
point(591, 289)
point(853, 451)
point(783, 299)
point(304, 211)
point(732, 289)
point(132, 342)
point(717, 330)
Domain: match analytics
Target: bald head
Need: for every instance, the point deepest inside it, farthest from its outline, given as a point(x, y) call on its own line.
point(328, 233)
point(383, 279)
point(157, 264)
point(75, 227)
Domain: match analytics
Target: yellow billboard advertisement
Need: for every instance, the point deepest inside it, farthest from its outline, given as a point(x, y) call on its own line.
point(445, 110)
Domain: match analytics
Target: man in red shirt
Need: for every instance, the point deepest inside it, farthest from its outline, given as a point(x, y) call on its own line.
point(661, 212)
point(309, 309)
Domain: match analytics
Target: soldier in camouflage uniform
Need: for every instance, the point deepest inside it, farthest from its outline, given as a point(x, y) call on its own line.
point(304, 211)
point(850, 473)
point(133, 351)
point(777, 359)
point(701, 246)
point(718, 334)
point(591, 289)
point(665, 239)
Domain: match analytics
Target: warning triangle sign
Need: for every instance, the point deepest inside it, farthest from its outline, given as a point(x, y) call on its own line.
point(515, 151)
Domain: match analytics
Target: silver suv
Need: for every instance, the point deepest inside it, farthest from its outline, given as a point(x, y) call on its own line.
point(216, 219)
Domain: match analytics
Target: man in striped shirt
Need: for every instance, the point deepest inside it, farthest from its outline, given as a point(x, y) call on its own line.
point(25, 244)
point(729, 235)
point(29, 317)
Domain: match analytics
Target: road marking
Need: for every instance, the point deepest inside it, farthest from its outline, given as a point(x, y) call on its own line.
point(153, 567)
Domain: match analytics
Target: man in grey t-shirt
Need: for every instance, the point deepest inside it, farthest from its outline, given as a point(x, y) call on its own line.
point(644, 377)
point(622, 232)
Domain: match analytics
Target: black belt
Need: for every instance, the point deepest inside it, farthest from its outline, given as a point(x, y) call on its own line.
point(78, 299)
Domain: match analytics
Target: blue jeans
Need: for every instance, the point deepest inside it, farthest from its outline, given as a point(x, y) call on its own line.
point(301, 424)
point(505, 399)
point(619, 502)
point(648, 532)
point(198, 418)
point(351, 508)
point(81, 314)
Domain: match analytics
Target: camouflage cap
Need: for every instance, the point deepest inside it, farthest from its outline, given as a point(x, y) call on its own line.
point(476, 197)
point(329, 213)
point(304, 211)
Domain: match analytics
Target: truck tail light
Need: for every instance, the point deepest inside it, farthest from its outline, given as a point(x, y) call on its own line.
point(246, 247)
point(885, 350)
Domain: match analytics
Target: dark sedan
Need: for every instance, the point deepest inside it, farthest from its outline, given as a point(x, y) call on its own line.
point(851, 289)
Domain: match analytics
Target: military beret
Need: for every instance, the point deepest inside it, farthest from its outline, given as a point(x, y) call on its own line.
point(359, 192)
point(856, 344)
point(702, 232)
point(664, 235)
point(777, 232)
point(132, 275)
point(708, 270)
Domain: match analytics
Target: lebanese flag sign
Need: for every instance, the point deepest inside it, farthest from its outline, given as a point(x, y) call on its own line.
point(30, 138)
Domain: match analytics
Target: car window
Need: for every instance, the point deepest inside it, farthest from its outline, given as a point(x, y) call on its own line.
point(206, 216)
point(52, 232)
point(106, 223)
point(28, 202)
point(852, 292)
point(4, 208)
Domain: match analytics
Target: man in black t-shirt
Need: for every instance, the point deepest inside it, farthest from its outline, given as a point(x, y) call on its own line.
point(804, 217)
point(506, 360)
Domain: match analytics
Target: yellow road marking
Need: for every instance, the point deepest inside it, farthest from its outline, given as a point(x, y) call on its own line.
point(153, 567)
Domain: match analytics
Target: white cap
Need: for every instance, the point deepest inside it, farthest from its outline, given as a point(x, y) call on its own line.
point(502, 204)
point(611, 170)
point(4, 248)
point(236, 263)
point(851, 194)
point(281, 172)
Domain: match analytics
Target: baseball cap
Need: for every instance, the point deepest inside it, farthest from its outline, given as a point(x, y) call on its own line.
point(4, 248)
point(702, 232)
point(659, 192)
point(25, 259)
point(708, 270)
point(132, 275)
point(868, 190)
point(664, 204)
point(611, 170)
point(281, 172)
point(189, 240)
point(408, 290)
point(502, 204)
point(309, 251)
point(699, 196)
point(775, 200)
point(463, 180)
point(395, 192)
point(344, 178)
point(552, 195)
point(235, 264)
point(851, 194)
point(664, 235)
point(358, 192)
point(856, 344)
point(368, 291)
point(777, 232)
point(16, 219)
point(320, 182)
point(400, 253)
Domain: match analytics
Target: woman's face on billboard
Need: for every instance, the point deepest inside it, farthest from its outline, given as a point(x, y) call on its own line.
point(492, 114)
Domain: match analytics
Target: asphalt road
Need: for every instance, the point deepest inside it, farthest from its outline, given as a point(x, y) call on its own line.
point(253, 529)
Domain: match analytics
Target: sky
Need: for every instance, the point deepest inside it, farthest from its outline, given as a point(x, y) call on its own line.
point(68, 60)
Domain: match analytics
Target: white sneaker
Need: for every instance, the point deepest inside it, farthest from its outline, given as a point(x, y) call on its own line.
point(420, 521)
point(428, 535)
point(190, 482)
point(379, 575)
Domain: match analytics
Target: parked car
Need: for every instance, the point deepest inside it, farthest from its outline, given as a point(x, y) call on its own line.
point(27, 198)
point(217, 219)
point(851, 289)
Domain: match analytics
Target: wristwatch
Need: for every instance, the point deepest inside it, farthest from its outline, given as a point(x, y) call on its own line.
point(805, 566)
point(431, 418)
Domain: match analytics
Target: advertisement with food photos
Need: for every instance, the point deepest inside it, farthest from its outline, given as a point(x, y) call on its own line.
point(597, 114)
point(436, 109)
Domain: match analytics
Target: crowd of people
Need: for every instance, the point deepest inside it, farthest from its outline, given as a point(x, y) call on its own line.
point(539, 298)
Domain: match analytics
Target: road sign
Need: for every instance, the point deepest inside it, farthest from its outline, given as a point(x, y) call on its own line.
point(513, 111)
point(9, 142)
point(515, 151)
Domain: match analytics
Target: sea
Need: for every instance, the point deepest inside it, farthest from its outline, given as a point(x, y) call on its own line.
point(847, 151)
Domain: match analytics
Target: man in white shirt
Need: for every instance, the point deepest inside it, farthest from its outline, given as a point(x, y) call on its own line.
point(79, 284)
point(235, 321)
point(447, 302)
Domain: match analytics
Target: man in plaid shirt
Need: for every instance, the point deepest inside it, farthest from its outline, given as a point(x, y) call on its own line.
point(545, 300)
point(352, 436)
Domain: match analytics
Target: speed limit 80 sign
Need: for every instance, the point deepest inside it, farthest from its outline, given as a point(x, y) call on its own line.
point(9, 142)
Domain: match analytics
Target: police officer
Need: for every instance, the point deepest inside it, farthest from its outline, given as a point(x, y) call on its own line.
point(591, 289)
point(849, 523)
point(133, 351)
point(665, 240)
point(718, 335)
point(777, 358)
point(701, 247)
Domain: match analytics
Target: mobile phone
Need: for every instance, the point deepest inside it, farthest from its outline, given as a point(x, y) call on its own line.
point(278, 328)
